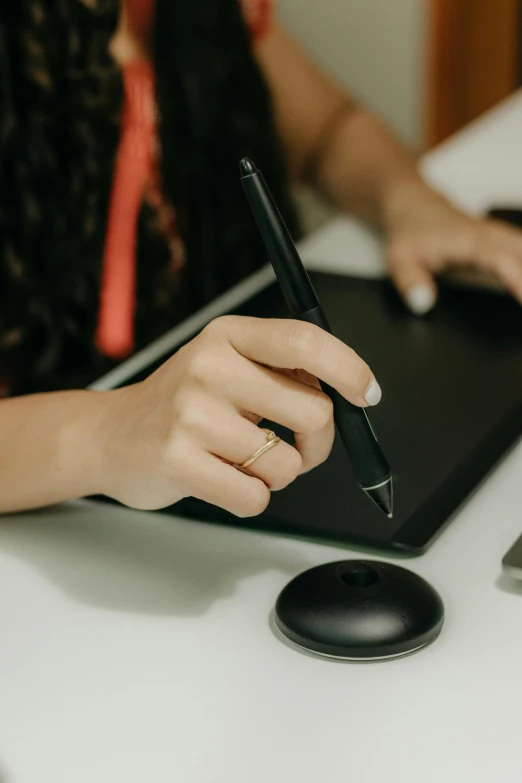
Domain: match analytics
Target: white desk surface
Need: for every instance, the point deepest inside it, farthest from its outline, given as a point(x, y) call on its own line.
point(137, 647)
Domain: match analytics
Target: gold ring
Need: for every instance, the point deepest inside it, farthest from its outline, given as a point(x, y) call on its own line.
point(271, 441)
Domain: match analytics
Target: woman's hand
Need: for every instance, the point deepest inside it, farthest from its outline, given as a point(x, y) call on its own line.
point(184, 430)
point(427, 235)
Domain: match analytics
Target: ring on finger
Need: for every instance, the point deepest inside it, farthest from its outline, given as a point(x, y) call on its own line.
point(271, 440)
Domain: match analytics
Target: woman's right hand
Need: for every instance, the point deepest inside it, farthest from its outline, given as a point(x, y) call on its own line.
point(185, 429)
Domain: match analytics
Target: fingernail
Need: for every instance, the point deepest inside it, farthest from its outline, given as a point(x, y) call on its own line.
point(373, 393)
point(420, 299)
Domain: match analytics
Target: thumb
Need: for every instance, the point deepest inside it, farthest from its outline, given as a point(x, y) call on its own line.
point(414, 282)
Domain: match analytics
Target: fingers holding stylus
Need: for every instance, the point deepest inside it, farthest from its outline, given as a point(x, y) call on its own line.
point(234, 438)
point(314, 447)
point(297, 405)
point(297, 345)
point(291, 398)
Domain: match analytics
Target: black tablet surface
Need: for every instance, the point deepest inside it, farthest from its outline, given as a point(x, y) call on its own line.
point(451, 407)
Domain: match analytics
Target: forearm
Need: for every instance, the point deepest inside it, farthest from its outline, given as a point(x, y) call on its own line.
point(50, 448)
point(363, 169)
point(329, 139)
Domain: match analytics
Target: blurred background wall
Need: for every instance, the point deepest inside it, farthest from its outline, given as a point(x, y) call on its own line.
point(376, 48)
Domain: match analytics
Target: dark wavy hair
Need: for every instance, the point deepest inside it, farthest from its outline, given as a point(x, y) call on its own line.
point(60, 108)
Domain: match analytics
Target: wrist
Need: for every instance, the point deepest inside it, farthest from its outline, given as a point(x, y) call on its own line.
point(85, 442)
point(404, 196)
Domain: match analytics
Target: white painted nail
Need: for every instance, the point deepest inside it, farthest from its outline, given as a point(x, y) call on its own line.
point(373, 393)
point(420, 299)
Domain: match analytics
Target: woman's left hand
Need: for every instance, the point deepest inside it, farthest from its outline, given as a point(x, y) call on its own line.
point(427, 235)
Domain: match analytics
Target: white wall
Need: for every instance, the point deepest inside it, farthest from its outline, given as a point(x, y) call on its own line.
point(374, 47)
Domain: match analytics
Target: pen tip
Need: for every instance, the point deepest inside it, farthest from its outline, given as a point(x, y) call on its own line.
point(247, 167)
point(382, 496)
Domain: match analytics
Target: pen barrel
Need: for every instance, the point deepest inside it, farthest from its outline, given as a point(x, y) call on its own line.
point(293, 278)
point(368, 462)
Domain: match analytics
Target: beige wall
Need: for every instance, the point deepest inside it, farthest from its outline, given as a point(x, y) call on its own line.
point(374, 47)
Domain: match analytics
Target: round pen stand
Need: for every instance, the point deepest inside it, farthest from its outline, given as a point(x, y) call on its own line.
point(360, 610)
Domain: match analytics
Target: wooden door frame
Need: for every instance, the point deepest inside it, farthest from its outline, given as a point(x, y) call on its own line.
point(474, 60)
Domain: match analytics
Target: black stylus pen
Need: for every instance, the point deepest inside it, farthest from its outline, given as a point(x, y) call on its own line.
point(369, 464)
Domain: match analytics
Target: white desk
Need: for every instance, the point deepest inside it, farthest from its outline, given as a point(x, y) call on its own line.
point(136, 647)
